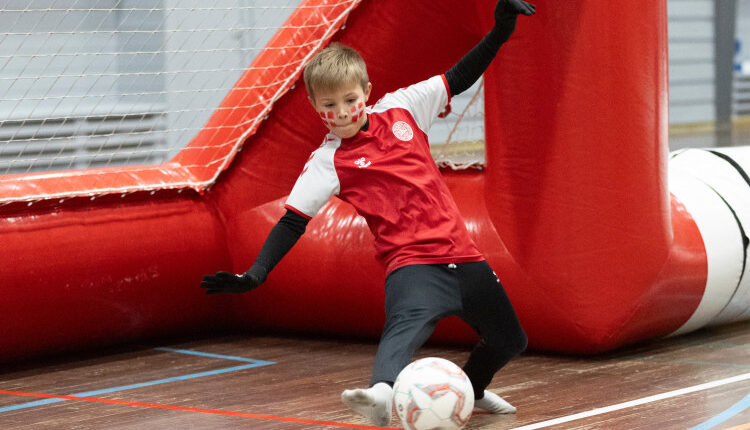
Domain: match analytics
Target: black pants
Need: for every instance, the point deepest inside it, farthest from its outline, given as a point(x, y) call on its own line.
point(418, 296)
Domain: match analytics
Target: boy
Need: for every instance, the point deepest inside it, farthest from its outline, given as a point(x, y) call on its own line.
point(378, 159)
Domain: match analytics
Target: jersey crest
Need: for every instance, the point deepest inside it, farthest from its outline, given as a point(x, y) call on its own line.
point(402, 131)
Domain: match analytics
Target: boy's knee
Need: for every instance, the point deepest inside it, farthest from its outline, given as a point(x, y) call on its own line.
point(415, 317)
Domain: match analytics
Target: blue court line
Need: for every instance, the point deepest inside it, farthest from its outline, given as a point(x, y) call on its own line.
point(207, 354)
point(254, 363)
point(727, 414)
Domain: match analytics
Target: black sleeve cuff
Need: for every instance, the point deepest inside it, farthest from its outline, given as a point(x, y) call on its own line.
point(469, 69)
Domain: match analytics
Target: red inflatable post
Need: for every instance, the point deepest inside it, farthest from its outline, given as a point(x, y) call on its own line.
point(576, 111)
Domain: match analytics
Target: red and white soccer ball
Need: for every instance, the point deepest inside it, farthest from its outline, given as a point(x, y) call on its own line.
point(433, 393)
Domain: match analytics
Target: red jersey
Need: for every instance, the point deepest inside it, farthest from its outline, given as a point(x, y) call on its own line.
point(388, 174)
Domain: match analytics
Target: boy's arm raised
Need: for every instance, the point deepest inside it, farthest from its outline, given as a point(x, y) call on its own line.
point(470, 68)
point(279, 241)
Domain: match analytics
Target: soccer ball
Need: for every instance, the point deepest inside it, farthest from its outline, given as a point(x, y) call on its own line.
point(433, 393)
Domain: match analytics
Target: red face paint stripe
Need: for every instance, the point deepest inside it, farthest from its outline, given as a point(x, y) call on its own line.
point(189, 409)
point(357, 111)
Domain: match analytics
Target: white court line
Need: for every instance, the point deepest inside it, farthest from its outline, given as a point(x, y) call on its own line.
point(636, 402)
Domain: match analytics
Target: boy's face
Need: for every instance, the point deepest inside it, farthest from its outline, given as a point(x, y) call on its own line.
point(343, 110)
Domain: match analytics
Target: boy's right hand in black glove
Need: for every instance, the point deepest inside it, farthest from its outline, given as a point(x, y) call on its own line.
point(225, 282)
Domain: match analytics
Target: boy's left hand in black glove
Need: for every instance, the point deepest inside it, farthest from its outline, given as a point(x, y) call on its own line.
point(513, 7)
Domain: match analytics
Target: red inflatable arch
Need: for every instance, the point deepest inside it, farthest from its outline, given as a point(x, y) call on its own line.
point(573, 210)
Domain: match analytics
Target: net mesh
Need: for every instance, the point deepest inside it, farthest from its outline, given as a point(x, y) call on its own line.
point(457, 138)
point(105, 83)
point(96, 83)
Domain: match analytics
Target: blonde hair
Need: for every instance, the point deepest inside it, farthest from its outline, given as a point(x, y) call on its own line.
point(333, 67)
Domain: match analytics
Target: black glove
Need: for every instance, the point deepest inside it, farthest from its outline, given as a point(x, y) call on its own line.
point(225, 282)
point(506, 8)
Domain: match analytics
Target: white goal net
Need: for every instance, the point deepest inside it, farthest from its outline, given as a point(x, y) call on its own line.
point(102, 83)
point(457, 139)
point(95, 83)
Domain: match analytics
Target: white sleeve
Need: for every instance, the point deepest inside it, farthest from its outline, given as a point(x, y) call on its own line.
point(316, 184)
point(424, 100)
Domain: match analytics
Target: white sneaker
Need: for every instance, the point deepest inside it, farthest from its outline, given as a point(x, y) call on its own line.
point(495, 404)
point(375, 403)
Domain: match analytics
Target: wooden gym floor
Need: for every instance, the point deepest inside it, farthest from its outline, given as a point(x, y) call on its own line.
point(697, 381)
